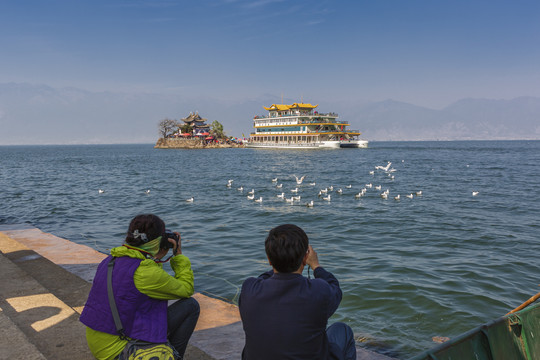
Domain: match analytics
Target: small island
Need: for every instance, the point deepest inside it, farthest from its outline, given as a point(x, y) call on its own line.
point(194, 133)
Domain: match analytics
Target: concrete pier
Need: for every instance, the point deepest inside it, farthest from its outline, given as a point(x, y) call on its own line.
point(45, 281)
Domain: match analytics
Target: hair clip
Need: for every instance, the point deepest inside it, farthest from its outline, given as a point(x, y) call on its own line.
point(137, 234)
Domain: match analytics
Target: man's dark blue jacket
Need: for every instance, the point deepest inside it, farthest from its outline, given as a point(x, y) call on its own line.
point(285, 315)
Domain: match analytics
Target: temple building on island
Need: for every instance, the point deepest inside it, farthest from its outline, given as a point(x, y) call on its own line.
point(197, 123)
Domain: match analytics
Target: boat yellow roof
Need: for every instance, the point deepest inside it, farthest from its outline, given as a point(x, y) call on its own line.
point(283, 107)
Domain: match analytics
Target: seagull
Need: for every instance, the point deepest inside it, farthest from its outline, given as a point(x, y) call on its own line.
point(229, 184)
point(327, 198)
point(339, 191)
point(299, 180)
point(312, 184)
point(274, 180)
point(281, 196)
point(297, 198)
point(279, 186)
point(348, 186)
point(324, 191)
point(147, 191)
point(410, 196)
point(230, 181)
point(397, 197)
point(370, 185)
point(378, 187)
point(474, 193)
point(295, 190)
point(386, 191)
point(419, 193)
point(331, 188)
point(251, 192)
point(101, 191)
point(259, 200)
point(241, 188)
point(363, 191)
point(384, 195)
point(372, 172)
point(190, 199)
point(385, 168)
point(291, 200)
point(310, 204)
point(251, 197)
point(359, 195)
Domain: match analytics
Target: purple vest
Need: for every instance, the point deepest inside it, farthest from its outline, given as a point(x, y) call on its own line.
point(143, 318)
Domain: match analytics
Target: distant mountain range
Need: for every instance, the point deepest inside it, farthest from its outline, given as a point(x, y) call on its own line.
point(40, 114)
point(467, 119)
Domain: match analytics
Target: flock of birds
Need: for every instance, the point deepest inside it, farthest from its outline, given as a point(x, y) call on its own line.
point(324, 193)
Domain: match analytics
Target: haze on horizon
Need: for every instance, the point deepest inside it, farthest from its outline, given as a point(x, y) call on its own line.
point(334, 53)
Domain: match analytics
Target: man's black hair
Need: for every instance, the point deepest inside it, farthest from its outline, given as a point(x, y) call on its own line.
point(286, 246)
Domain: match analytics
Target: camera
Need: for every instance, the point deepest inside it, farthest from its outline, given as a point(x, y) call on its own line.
point(165, 243)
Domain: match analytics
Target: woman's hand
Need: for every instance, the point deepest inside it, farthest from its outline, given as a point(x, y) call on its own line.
point(177, 247)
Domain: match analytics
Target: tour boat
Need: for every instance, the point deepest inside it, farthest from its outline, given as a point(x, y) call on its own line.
point(299, 126)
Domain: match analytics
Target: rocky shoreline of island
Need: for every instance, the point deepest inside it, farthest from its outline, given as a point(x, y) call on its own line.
point(179, 143)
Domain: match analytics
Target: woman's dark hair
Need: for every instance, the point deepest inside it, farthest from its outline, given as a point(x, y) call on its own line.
point(286, 246)
point(148, 224)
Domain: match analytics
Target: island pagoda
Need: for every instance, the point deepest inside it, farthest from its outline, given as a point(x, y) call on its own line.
point(197, 123)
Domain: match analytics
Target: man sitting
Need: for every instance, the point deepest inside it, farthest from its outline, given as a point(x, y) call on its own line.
point(285, 314)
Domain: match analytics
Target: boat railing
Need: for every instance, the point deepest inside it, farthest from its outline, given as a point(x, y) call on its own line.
point(330, 114)
point(285, 144)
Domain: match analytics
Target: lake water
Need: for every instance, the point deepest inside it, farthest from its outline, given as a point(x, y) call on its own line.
point(438, 264)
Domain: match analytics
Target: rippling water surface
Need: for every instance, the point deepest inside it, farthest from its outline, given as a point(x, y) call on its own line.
point(435, 265)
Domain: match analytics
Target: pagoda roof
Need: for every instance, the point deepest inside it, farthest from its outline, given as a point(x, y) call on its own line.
point(193, 117)
point(283, 107)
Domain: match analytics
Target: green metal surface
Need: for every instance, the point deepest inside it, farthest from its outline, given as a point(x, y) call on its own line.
point(512, 337)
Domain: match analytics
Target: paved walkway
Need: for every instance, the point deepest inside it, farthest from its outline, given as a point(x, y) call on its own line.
point(45, 281)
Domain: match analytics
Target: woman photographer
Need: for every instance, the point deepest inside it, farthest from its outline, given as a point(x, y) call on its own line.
point(141, 290)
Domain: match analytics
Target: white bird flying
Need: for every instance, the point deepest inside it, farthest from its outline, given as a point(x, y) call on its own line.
point(299, 180)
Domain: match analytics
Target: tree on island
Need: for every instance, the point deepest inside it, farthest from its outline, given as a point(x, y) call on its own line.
point(216, 129)
point(167, 127)
point(187, 129)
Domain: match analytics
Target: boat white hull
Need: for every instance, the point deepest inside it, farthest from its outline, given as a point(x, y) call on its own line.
point(335, 144)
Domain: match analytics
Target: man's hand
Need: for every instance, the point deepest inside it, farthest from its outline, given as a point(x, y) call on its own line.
point(312, 259)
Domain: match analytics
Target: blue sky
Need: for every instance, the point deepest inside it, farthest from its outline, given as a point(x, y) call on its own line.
point(425, 52)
